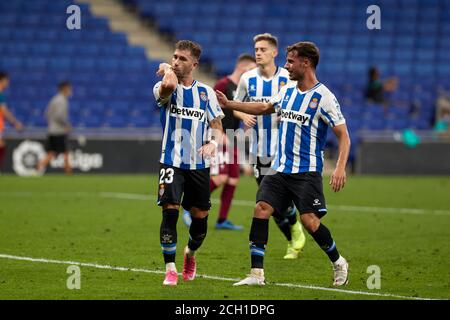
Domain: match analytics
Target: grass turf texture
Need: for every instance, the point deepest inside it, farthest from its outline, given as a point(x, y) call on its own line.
point(71, 218)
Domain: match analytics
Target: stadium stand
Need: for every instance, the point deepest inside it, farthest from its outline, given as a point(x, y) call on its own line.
point(112, 80)
point(413, 44)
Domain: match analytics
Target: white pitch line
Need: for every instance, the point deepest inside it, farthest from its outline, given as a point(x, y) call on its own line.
point(290, 285)
point(245, 203)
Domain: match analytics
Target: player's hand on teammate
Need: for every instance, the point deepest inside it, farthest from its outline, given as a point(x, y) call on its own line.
point(249, 120)
point(222, 98)
point(208, 150)
point(338, 179)
point(163, 68)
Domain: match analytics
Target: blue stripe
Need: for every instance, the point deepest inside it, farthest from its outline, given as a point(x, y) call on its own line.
point(168, 245)
point(257, 249)
point(322, 210)
point(290, 135)
point(327, 116)
point(305, 142)
point(257, 254)
point(332, 247)
point(252, 82)
point(321, 139)
point(169, 252)
point(267, 121)
point(186, 125)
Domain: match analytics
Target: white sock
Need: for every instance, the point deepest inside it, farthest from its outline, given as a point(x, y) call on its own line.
point(257, 272)
point(171, 267)
point(339, 261)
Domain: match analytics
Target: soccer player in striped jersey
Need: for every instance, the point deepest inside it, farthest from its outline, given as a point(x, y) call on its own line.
point(5, 114)
point(225, 170)
point(307, 109)
point(188, 107)
point(260, 85)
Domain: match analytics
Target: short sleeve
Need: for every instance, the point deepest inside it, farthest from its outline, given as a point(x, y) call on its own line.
point(161, 102)
point(331, 111)
point(278, 99)
point(241, 91)
point(213, 109)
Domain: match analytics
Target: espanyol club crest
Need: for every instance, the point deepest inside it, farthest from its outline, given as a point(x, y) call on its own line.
point(203, 96)
point(282, 83)
point(313, 103)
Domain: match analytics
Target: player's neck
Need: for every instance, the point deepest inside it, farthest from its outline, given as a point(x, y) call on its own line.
point(268, 71)
point(186, 81)
point(234, 77)
point(307, 83)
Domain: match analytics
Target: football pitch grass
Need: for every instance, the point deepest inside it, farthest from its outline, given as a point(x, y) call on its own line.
point(109, 226)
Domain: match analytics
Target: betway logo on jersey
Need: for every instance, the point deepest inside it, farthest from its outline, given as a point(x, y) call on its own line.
point(260, 99)
point(295, 116)
point(187, 113)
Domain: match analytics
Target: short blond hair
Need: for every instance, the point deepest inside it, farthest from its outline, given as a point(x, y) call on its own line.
point(267, 37)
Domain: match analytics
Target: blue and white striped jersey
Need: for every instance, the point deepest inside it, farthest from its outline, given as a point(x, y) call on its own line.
point(253, 87)
point(305, 117)
point(185, 116)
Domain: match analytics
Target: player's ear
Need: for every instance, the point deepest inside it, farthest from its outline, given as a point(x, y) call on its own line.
point(275, 52)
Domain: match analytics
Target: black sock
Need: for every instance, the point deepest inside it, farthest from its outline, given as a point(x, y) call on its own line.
point(323, 238)
point(291, 214)
point(259, 234)
point(283, 225)
point(197, 232)
point(168, 234)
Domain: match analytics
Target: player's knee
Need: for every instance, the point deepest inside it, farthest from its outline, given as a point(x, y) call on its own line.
point(171, 206)
point(263, 210)
point(310, 221)
point(198, 213)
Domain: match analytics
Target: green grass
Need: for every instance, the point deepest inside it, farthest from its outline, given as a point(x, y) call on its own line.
point(68, 218)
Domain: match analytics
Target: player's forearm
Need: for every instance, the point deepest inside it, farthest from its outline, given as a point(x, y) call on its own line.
point(9, 117)
point(239, 115)
point(169, 83)
point(255, 108)
point(217, 130)
point(344, 149)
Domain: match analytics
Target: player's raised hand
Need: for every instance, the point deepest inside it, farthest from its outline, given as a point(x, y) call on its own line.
point(338, 179)
point(222, 98)
point(163, 67)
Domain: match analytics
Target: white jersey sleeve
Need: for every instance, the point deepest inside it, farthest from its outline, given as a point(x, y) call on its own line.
point(277, 99)
point(213, 109)
point(330, 111)
point(241, 91)
point(160, 101)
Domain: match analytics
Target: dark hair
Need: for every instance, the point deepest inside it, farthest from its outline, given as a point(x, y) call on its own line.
point(373, 71)
point(245, 57)
point(266, 36)
point(3, 75)
point(306, 50)
point(194, 48)
point(64, 84)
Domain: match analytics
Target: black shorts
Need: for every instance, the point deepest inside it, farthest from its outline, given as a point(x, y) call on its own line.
point(262, 168)
point(57, 144)
point(304, 189)
point(191, 185)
